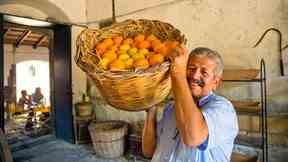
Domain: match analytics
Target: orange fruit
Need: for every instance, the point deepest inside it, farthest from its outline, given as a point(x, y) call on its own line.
point(139, 38)
point(155, 43)
point(117, 40)
point(157, 48)
point(110, 55)
point(100, 48)
point(128, 41)
point(151, 38)
point(108, 41)
point(156, 59)
point(164, 50)
point(144, 44)
point(171, 44)
point(134, 44)
point(117, 65)
point(141, 64)
point(113, 48)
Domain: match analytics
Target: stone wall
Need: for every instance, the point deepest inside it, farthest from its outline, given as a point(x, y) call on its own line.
point(232, 28)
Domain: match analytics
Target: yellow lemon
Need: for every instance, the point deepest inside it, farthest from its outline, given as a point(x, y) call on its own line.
point(104, 63)
point(129, 63)
point(143, 51)
point(132, 51)
point(123, 57)
point(124, 47)
point(110, 55)
point(138, 56)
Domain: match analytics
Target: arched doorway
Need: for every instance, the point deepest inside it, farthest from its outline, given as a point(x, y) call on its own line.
point(31, 75)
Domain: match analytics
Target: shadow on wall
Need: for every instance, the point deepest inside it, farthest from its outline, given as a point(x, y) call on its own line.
point(49, 8)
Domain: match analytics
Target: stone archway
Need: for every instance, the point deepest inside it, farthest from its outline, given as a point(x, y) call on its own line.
point(38, 9)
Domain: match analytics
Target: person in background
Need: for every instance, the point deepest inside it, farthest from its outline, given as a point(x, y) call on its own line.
point(38, 97)
point(199, 125)
point(24, 101)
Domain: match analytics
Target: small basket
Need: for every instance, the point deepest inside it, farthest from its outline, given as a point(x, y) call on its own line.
point(127, 90)
point(108, 138)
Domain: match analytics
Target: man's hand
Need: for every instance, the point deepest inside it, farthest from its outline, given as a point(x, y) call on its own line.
point(151, 112)
point(179, 58)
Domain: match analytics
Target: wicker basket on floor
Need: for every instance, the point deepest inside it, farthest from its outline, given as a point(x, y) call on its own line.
point(108, 138)
point(127, 90)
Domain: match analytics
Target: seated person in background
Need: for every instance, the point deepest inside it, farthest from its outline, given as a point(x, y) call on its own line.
point(38, 97)
point(24, 101)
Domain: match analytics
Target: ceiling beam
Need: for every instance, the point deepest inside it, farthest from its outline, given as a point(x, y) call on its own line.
point(39, 41)
point(6, 31)
point(38, 30)
point(22, 37)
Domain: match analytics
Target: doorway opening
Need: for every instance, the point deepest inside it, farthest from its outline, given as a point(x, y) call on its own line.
point(26, 83)
point(25, 51)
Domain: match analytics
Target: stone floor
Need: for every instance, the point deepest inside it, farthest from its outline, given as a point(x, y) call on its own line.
point(60, 151)
point(15, 128)
point(48, 148)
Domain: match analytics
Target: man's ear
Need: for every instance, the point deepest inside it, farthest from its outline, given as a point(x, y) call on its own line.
point(217, 82)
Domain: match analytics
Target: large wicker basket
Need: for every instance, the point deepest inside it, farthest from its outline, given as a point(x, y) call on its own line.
point(128, 90)
point(108, 138)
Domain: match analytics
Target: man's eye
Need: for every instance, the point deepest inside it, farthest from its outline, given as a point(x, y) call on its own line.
point(192, 68)
point(205, 73)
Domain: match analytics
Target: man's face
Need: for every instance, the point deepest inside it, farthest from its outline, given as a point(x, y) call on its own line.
point(200, 75)
point(24, 93)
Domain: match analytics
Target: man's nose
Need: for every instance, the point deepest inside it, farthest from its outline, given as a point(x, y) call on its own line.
point(196, 74)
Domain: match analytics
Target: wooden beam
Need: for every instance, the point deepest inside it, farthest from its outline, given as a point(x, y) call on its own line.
point(5, 31)
point(39, 41)
point(23, 37)
point(38, 30)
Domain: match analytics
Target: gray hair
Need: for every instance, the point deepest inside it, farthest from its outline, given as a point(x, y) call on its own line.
point(211, 54)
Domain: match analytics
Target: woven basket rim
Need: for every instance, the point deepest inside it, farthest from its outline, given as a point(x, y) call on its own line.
point(130, 74)
point(124, 125)
point(100, 71)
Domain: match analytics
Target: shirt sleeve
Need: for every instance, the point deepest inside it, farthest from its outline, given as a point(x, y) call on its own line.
point(162, 121)
point(222, 123)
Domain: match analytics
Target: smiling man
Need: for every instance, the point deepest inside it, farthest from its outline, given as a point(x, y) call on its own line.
point(199, 126)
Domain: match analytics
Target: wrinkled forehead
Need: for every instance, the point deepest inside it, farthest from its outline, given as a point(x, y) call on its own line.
point(201, 61)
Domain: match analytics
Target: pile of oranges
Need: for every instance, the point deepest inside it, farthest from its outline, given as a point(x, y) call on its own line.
point(140, 52)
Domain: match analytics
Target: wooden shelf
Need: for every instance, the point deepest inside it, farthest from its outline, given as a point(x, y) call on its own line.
point(247, 107)
point(237, 157)
point(249, 141)
point(241, 75)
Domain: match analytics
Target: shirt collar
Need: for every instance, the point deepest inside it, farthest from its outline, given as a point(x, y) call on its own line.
point(204, 99)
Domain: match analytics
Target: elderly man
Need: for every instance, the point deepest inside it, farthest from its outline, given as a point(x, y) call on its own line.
point(199, 126)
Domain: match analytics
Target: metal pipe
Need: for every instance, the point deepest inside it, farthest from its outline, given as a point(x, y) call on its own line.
point(279, 45)
point(113, 11)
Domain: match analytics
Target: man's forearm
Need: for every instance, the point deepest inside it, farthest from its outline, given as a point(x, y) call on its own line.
point(189, 119)
point(149, 135)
